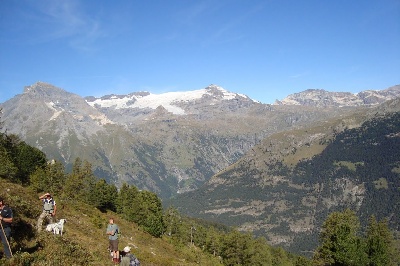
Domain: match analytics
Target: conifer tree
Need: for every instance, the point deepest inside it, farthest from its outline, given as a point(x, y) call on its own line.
point(172, 219)
point(340, 244)
point(150, 214)
point(280, 257)
point(49, 179)
point(262, 252)
point(75, 186)
point(128, 202)
point(55, 172)
point(379, 243)
point(213, 242)
point(103, 196)
point(7, 168)
point(28, 160)
point(235, 245)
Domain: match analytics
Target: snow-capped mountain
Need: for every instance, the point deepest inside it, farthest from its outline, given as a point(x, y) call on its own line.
point(238, 151)
point(171, 101)
point(168, 143)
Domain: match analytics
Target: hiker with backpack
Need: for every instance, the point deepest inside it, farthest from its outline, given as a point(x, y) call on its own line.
point(128, 259)
point(6, 218)
point(112, 232)
point(49, 210)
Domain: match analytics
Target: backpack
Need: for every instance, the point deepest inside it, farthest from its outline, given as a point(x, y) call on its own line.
point(133, 261)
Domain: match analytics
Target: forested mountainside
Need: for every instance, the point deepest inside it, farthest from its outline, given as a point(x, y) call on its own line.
point(156, 237)
point(286, 186)
point(86, 203)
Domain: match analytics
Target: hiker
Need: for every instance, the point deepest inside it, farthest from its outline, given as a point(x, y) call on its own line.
point(128, 259)
point(6, 218)
point(49, 210)
point(112, 232)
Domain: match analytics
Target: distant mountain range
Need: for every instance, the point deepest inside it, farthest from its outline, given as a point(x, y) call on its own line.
point(168, 143)
point(322, 98)
point(243, 162)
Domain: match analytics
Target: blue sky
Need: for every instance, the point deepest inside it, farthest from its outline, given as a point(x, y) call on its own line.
point(264, 49)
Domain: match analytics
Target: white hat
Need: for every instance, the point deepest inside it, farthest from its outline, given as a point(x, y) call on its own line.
point(127, 249)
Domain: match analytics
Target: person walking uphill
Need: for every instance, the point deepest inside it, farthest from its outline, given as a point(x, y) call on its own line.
point(49, 210)
point(112, 232)
point(6, 218)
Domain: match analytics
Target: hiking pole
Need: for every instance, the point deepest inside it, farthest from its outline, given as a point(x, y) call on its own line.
point(5, 237)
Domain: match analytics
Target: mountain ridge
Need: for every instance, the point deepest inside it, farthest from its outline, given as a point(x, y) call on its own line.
point(323, 98)
point(166, 148)
point(206, 151)
point(366, 97)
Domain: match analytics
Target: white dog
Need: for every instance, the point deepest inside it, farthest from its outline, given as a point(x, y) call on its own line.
point(56, 228)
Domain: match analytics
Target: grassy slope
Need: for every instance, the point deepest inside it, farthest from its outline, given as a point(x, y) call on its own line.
point(84, 241)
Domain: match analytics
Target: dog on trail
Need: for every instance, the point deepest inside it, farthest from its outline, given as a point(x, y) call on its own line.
point(56, 228)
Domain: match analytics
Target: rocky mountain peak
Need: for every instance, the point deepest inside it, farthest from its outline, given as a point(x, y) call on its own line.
point(43, 90)
point(214, 89)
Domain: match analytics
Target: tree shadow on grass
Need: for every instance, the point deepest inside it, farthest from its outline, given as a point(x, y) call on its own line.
point(23, 237)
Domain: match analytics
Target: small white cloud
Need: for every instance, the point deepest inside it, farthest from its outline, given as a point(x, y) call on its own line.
point(66, 20)
point(299, 75)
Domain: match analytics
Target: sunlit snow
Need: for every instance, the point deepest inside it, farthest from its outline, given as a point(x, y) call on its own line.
point(167, 100)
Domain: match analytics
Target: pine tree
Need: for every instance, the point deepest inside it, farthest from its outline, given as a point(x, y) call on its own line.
point(55, 172)
point(79, 183)
point(7, 168)
point(150, 214)
point(128, 202)
point(379, 243)
point(213, 242)
point(28, 160)
point(340, 244)
point(257, 252)
point(103, 196)
point(172, 219)
point(237, 249)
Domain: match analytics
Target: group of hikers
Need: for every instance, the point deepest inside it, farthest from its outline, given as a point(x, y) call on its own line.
point(123, 258)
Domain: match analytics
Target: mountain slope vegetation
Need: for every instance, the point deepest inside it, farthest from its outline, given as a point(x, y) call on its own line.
point(87, 202)
point(286, 186)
